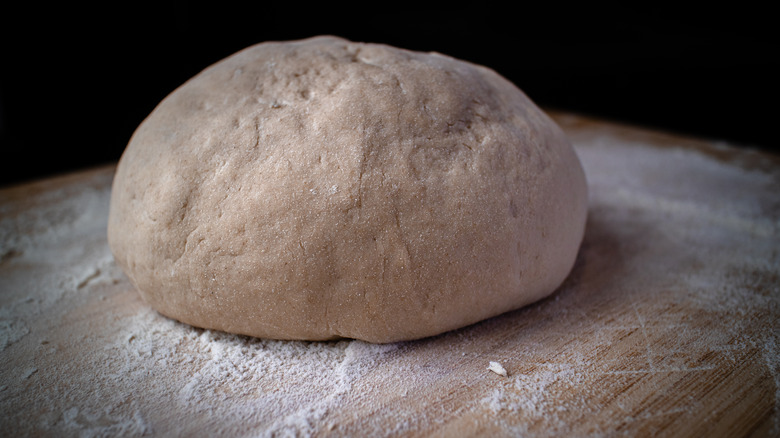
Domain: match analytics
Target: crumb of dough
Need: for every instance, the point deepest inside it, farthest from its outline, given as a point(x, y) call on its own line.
point(497, 368)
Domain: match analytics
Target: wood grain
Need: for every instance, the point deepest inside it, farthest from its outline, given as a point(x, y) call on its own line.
point(667, 326)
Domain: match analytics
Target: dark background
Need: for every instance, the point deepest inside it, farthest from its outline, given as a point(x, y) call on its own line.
point(77, 82)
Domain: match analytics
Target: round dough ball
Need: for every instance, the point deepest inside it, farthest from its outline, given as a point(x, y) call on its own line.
point(322, 188)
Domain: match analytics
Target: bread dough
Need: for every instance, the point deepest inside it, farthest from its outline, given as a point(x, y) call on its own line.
point(322, 188)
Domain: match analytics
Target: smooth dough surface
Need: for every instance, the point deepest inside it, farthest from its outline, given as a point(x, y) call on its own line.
point(322, 188)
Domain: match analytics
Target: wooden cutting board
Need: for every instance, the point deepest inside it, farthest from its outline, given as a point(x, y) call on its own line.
point(667, 326)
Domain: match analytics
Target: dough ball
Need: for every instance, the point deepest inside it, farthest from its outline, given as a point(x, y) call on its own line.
point(322, 188)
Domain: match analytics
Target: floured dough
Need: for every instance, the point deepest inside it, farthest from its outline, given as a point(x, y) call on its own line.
point(322, 188)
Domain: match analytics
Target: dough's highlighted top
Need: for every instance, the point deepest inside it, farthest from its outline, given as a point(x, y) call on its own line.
point(322, 188)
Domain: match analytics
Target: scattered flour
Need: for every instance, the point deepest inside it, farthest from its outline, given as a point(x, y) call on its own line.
point(677, 285)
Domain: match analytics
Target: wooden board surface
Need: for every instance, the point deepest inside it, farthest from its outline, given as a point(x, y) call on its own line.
point(667, 326)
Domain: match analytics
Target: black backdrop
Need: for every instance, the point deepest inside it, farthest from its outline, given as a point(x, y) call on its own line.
point(75, 83)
